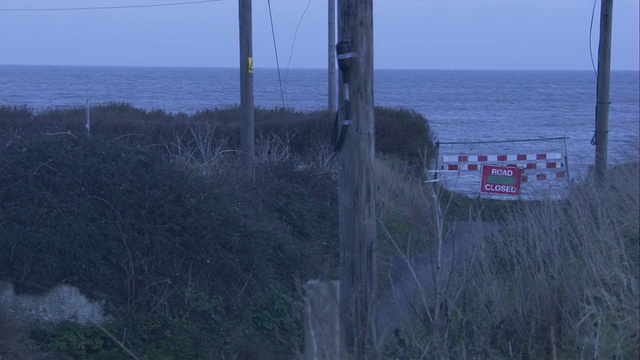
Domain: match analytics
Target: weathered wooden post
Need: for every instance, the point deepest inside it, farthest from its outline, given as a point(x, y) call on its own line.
point(322, 321)
point(604, 74)
point(356, 186)
point(247, 122)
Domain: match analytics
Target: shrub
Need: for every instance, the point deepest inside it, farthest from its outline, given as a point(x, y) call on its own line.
point(207, 263)
point(124, 225)
point(405, 134)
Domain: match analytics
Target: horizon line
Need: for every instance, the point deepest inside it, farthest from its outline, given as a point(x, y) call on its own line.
point(306, 68)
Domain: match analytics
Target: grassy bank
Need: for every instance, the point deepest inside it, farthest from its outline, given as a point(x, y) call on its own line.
point(150, 215)
point(559, 280)
point(193, 262)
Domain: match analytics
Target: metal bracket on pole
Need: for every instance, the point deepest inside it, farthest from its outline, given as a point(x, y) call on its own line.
point(345, 55)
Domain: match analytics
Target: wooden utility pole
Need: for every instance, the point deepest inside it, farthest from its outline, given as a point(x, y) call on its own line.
point(247, 128)
point(356, 187)
point(332, 55)
point(604, 75)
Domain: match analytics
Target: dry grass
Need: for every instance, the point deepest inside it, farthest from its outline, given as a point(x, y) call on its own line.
point(559, 280)
point(402, 208)
point(199, 147)
point(562, 278)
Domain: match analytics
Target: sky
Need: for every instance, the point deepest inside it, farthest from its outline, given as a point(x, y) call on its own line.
point(408, 34)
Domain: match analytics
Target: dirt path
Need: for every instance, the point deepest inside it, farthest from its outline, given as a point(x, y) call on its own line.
point(408, 276)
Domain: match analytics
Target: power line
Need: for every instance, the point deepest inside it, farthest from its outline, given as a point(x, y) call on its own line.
point(107, 7)
point(293, 44)
point(275, 48)
point(593, 64)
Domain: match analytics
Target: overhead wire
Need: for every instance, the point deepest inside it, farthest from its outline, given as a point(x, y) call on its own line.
point(275, 48)
point(593, 13)
point(593, 64)
point(293, 43)
point(112, 7)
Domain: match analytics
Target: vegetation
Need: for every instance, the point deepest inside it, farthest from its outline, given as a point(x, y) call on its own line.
point(560, 279)
point(193, 262)
point(149, 215)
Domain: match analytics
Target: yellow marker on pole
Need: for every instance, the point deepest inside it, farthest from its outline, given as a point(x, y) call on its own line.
point(250, 64)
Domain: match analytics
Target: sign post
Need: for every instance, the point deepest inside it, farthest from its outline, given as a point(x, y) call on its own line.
point(501, 180)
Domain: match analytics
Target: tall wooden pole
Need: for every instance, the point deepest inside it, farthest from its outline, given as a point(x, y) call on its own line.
point(604, 75)
point(332, 55)
point(247, 129)
point(357, 216)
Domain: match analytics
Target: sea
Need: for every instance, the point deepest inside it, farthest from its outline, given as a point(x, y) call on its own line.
point(486, 110)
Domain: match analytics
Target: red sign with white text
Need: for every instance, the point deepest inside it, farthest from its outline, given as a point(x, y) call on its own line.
point(503, 180)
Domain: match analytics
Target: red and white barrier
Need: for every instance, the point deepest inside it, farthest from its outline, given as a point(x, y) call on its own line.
point(558, 175)
point(477, 167)
point(523, 161)
point(495, 158)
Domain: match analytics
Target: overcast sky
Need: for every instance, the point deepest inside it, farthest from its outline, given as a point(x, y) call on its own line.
point(408, 34)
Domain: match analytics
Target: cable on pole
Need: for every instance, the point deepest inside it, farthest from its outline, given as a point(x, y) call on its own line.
point(593, 13)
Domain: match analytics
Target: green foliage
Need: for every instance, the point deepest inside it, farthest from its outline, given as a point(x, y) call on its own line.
point(9, 114)
point(154, 337)
point(205, 267)
point(400, 132)
point(127, 227)
point(405, 134)
point(76, 341)
point(189, 266)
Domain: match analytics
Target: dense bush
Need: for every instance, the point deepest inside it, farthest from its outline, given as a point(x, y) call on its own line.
point(189, 266)
point(399, 132)
point(127, 227)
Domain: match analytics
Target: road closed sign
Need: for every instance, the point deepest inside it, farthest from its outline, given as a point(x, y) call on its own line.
point(501, 180)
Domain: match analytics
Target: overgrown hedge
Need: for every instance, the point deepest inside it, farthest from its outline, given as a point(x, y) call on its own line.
point(189, 266)
point(400, 132)
point(125, 226)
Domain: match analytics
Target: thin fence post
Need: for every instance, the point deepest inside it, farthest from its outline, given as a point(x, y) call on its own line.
point(566, 158)
point(322, 321)
point(435, 174)
point(88, 124)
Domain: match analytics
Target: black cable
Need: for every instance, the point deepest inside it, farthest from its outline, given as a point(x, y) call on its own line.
point(593, 13)
point(337, 135)
point(340, 130)
point(593, 64)
point(108, 7)
point(293, 43)
point(275, 48)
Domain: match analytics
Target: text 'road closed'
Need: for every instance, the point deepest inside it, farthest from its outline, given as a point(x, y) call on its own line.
point(501, 180)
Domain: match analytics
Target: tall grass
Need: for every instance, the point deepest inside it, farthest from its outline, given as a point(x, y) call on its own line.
point(560, 279)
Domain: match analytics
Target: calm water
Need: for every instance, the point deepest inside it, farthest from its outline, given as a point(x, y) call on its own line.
point(460, 105)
